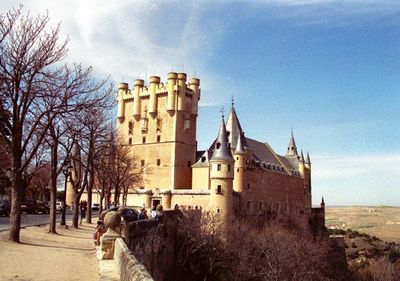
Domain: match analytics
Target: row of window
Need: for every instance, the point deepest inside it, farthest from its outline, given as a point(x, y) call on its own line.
point(158, 163)
point(144, 139)
point(219, 166)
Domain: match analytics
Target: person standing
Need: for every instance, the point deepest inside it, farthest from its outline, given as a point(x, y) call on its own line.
point(82, 208)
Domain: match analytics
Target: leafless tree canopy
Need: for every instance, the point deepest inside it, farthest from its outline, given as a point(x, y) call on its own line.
point(36, 88)
point(116, 170)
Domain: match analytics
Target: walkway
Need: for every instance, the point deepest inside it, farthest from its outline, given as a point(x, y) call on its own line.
point(68, 256)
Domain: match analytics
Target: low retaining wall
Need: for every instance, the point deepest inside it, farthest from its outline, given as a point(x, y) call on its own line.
point(129, 268)
point(153, 243)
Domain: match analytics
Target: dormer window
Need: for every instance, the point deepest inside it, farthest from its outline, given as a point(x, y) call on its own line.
point(218, 145)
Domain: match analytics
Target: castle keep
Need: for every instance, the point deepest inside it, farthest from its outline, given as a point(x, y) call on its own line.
point(235, 175)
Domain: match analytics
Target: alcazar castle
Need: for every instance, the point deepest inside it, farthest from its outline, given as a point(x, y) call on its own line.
point(235, 175)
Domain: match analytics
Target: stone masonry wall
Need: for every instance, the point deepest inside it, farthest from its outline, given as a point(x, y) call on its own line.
point(128, 266)
point(153, 242)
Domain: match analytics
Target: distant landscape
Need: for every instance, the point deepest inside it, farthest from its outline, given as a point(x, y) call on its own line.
point(381, 221)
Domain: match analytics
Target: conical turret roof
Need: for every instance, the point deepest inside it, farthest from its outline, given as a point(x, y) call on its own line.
point(292, 149)
point(239, 146)
point(221, 149)
point(234, 129)
point(308, 159)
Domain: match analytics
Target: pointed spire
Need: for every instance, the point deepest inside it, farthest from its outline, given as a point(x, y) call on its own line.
point(322, 202)
point(301, 157)
point(308, 162)
point(239, 146)
point(234, 128)
point(292, 149)
point(221, 149)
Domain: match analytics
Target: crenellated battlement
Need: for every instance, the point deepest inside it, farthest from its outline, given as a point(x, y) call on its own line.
point(175, 82)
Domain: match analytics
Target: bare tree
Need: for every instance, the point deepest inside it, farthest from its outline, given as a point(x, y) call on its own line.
point(117, 171)
point(36, 89)
point(89, 135)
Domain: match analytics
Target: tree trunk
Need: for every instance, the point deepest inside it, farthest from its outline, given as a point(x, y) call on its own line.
point(53, 188)
point(15, 216)
point(75, 214)
point(89, 198)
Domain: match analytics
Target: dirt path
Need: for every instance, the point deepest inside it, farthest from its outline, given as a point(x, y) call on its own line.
point(68, 256)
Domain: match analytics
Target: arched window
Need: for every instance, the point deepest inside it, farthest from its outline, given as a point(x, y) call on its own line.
point(219, 189)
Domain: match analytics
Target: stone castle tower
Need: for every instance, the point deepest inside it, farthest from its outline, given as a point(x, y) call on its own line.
point(159, 122)
point(221, 175)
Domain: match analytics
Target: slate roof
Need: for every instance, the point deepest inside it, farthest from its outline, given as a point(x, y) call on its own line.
point(221, 149)
point(263, 154)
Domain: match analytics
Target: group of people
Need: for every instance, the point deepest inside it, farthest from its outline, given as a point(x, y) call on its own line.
point(156, 213)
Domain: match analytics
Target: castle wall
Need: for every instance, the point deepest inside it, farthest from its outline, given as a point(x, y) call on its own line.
point(186, 201)
point(267, 190)
point(201, 178)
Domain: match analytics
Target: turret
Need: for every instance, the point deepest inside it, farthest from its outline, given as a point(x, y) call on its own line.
point(181, 90)
point(172, 76)
point(194, 85)
point(240, 165)
point(302, 164)
point(221, 175)
point(292, 149)
point(154, 82)
point(122, 91)
point(137, 90)
point(308, 161)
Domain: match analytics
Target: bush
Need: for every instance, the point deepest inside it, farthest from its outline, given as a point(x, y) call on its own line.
point(393, 254)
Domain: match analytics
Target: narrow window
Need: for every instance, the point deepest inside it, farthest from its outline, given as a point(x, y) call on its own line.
point(144, 140)
point(237, 158)
point(158, 162)
point(130, 141)
point(237, 170)
point(218, 211)
point(219, 189)
point(218, 167)
point(218, 145)
point(130, 127)
point(248, 186)
point(142, 163)
point(229, 168)
point(158, 138)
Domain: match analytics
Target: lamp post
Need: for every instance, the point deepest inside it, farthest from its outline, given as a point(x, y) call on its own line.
point(66, 171)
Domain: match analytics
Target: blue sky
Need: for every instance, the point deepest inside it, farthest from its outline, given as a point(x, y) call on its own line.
point(328, 69)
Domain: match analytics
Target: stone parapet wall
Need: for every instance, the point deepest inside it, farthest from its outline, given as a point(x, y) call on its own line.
point(153, 243)
point(128, 266)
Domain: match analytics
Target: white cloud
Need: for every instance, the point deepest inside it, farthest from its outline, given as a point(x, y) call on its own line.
point(132, 40)
point(351, 166)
